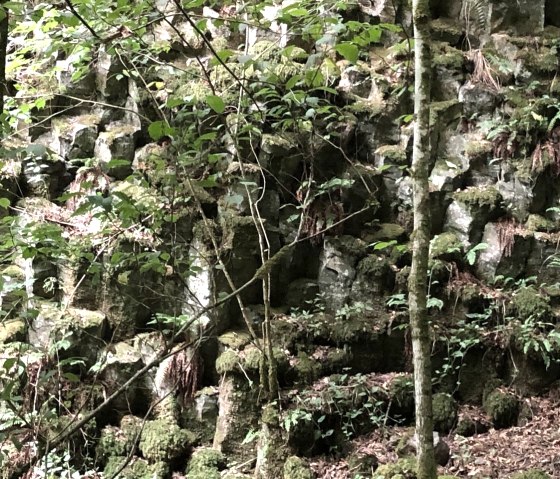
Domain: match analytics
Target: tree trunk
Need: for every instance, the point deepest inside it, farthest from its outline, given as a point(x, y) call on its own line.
point(3, 47)
point(417, 283)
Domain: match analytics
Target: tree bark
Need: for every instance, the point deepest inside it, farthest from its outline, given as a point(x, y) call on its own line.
point(418, 279)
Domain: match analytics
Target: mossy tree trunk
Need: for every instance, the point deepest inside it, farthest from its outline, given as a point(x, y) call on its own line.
point(417, 283)
point(4, 15)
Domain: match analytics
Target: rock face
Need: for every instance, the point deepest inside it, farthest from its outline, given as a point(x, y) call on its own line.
point(217, 197)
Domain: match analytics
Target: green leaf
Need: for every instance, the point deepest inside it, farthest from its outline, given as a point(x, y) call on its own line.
point(71, 377)
point(173, 102)
point(296, 12)
point(293, 81)
point(159, 129)
point(216, 103)
point(348, 50)
point(4, 203)
point(36, 150)
point(116, 163)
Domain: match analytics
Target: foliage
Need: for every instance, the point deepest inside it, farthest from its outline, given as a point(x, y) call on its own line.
point(347, 402)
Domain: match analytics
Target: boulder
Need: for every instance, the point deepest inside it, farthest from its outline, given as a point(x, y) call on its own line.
point(114, 149)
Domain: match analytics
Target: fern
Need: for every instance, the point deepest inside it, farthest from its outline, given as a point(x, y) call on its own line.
point(477, 11)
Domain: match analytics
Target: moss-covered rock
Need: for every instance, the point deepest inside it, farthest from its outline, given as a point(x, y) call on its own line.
point(206, 463)
point(162, 440)
point(478, 149)
point(12, 330)
point(445, 412)
point(136, 469)
point(114, 442)
point(502, 407)
point(445, 245)
point(445, 56)
point(391, 155)
point(307, 369)
point(531, 474)
point(297, 468)
point(539, 223)
point(388, 232)
point(468, 426)
point(487, 196)
point(528, 302)
point(401, 396)
point(404, 468)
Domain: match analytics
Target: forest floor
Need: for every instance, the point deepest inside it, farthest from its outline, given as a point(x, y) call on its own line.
point(496, 454)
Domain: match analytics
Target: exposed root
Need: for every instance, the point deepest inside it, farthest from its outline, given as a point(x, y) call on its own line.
point(483, 73)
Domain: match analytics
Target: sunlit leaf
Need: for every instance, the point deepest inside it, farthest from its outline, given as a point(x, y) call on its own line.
point(216, 103)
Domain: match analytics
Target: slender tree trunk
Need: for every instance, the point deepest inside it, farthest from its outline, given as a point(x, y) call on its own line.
point(418, 279)
point(3, 48)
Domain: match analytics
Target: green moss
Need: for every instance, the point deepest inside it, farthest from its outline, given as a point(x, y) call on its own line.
point(66, 125)
point(448, 477)
point(466, 427)
point(539, 223)
point(401, 395)
point(531, 474)
point(349, 245)
point(14, 272)
point(388, 231)
point(252, 358)
point(478, 149)
point(235, 339)
point(227, 362)
point(502, 407)
point(446, 29)
point(118, 441)
point(487, 196)
point(307, 369)
point(445, 112)
point(297, 468)
point(392, 154)
point(206, 463)
point(374, 266)
point(136, 469)
point(404, 468)
point(542, 60)
point(162, 440)
point(445, 412)
point(113, 442)
point(446, 56)
point(528, 302)
point(12, 330)
point(445, 244)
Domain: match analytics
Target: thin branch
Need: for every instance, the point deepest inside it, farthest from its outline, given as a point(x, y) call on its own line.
point(82, 20)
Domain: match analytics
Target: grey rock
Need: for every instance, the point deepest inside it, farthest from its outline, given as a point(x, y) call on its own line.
point(477, 99)
point(337, 270)
point(448, 171)
point(108, 76)
point(116, 143)
point(517, 198)
point(301, 293)
point(521, 17)
point(82, 330)
point(355, 82)
point(82, 86)
point(441, 448)
point(117, 363)
point(501, 259)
